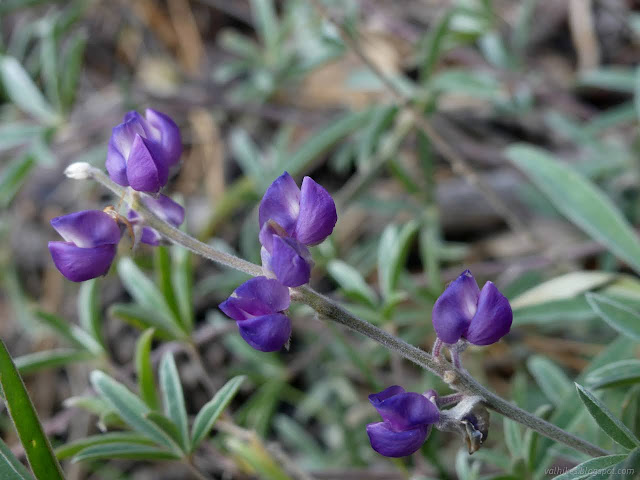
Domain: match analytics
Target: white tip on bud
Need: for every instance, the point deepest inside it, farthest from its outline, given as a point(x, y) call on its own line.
point(78, 171)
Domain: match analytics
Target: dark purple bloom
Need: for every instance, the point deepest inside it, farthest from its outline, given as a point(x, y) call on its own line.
point(257, 307)
point(91, 238)
point(291, 219)
point(407, 419)
point(141, 150)
point(464, 311)
point(288, 259)
point(163, 207)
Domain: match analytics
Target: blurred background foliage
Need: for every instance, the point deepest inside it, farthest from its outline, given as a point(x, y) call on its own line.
point(262, 86)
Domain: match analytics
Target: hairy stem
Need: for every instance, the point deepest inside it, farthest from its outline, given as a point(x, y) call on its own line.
point(327, 308)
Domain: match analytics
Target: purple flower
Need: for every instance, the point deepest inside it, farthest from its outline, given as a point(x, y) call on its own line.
point(141, 150)
point(291, 219)
point(407, 419)
point(91, 238)
point(164, 208)
point(257, 307)
point(464, 311)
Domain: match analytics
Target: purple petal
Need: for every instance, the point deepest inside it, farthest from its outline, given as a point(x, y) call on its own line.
point(390, 443)
point(493, 319)
point(267, 232)
point(88, 228)
point(376, 398)
point(116, 165)
point(281, 203)
point(455, 308)
point(123, 135)
point(169, 135)
point(267, 333)
point(404, 411)
point(317, 214)
point(165, 208)
point(146, 170)
point(150, 236)
point(80, 264)
point(290, 262)
point(267, 291)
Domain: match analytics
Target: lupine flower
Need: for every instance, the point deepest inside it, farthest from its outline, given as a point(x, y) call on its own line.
point(257, 307)
point(165, 208)
point(91, 238)
point(141, 151)
point(407, 420)
point(291, 219)
point(464, 311)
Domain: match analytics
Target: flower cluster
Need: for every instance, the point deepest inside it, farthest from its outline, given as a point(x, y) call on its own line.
point(291, 219)
point(462, 314)
point(141, 151)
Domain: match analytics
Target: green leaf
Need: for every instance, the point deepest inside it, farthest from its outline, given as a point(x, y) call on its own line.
point(144, 370)
point(16, 134)
point(563, 287)
point(163, 270)
point(210, 412)
point(581, 471)
point(13, 176)
point(10, 467)
point(36, 445)
point(615, 374)
point(23, 92)
point(72, 62)
point(147, 295)
point(267, 25)
point(167, 426)
point(551, 379)
point(173, 397)
point(183, 284)
point(89, 310)
point(579, 200)
point(130, 408)
point(616, 79)
point(72, 448)
point(34, 362)
point(247, 155)
point(142, 318)
point(611, 425)
point(130, 451)
point(513, 438)
point(617, 316)
point(73, 334)
point(392, 255)
point(352, 282)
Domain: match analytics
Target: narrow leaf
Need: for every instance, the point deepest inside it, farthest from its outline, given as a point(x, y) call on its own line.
point(13, 176)
point(130, 408)
point(144, 370)
point(147, 295)
point(73, 448)
point(23, 92)
point(166, 425)
point(73, 334)
point(615, 374)
point(607, 421)
point(579, 200)
point(351, 281)
point(551, 379)
point(89, 310)
point(10, 467)
point(592, 465)
point(36, 445)
point(173, 397)
point(617, 316)
point(130, 451)
point(208, 415)
point(59, 357)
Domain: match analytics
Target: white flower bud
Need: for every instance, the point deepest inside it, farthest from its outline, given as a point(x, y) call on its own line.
point(78, 171)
